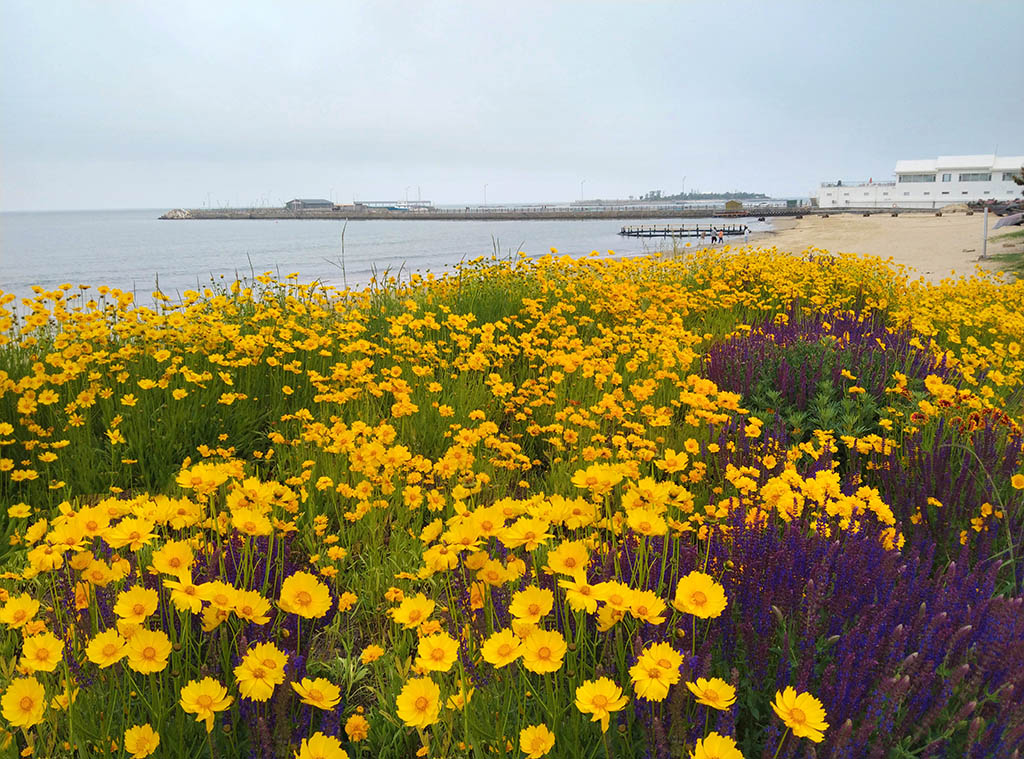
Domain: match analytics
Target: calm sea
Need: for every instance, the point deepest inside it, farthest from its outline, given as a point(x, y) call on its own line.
point(132, 250)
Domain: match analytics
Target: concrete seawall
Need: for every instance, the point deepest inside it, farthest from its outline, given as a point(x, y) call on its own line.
point(470, 215)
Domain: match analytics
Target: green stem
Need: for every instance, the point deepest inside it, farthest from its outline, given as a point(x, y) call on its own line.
point(784, 736)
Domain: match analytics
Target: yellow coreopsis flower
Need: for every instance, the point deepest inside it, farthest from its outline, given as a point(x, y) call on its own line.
point(716, 693)
point(185, 595)
point(260, 671)
point(437, 653)
point(148, 651)
point(42, 653)
point(580, 594)
point(320, 693)
point(698, 594)
point(536, 740)
point(19, 610)
point(413, 611)
point(141, 740)
point(531, 603)
point(106, 649)
point(320, 746)
point(543, 651)
point(419, 703)
point(173, 558)
point(23, 702)
point(715, 746)
point(502, 648)
point(357, 728)
point(205, 698)
point(130, 532)
point(251, 521)
point(251, 606)
point(303, 594)
point(135, 604)
point(569, 557)
point(370, 654)
point(600, 698)
point(802, 713)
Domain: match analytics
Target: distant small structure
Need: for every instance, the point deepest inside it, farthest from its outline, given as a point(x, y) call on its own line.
point(733, 205)
point(305, 204)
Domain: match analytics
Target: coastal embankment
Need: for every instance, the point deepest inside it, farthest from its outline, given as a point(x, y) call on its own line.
point(472, 213)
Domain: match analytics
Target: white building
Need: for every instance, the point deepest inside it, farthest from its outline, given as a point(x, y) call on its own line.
point(930, 183)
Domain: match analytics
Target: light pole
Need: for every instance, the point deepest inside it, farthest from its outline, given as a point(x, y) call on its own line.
point(582, 182)
point(407, 196)
point(485, 194)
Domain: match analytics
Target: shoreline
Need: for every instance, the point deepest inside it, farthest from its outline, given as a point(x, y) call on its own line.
point(931, 247)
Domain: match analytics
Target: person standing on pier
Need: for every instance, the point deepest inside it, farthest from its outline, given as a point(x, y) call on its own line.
point(746, 234)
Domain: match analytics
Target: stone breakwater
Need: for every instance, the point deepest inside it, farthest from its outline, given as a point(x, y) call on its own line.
point(472, 214)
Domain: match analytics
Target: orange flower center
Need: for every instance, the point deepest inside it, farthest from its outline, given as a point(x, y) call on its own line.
point(138, 609)
point(42, 654)
point(26, 703)
point(134, 536)
point(270, 664)
point(437, 654)
point(665, 663)
point(710, 695)
point(91, 526)
point(174, 562)
point(149, 652)
point(797, 715)
point(654, 673)
point(303, 598)
point(533, 608)
point(204, 701)
point(19, 615)
point(422, 703)
point(109, 650)
point(250, 526)
point(570, 562)
point(258, 673)
point(600, 701)
point(698, 598)
point(414, 615)
point(544, 652)
point(505, 649)
point(315, 695)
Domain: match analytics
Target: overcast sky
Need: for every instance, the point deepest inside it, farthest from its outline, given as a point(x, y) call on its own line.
point(163, 104)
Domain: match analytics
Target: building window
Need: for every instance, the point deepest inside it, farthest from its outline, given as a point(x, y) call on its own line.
point(885, 194)
point(917, 177)
point(964, 192)
point(927, 193)
point(906, 193)
point(945, 192)
point(947, 177)
point(976, 176)
point(1008, 176)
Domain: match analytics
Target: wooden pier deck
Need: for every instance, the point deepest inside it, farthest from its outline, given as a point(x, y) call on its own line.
point(681, 231)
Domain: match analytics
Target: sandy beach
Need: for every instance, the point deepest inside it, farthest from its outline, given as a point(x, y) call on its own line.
point(936, 247)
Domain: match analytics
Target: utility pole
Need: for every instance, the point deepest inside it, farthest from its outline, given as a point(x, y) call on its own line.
point(984, 236)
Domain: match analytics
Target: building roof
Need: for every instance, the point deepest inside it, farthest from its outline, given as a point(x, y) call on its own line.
point(310, 200)
point(987, 161)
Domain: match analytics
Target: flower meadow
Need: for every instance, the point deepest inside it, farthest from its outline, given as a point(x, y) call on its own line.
point(732, 503)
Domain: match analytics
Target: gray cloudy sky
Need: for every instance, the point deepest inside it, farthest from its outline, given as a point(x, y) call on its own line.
point(118, 104)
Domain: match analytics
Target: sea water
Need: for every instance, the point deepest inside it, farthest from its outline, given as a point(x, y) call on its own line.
point(135, 251)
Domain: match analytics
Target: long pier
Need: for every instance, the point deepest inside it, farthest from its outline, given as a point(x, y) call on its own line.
point(682, 231)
